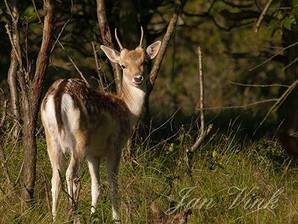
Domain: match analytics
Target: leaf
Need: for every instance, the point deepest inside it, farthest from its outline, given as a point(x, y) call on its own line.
point(171, 147)
point(273, 26)
point(289, 22)
point(214, 153)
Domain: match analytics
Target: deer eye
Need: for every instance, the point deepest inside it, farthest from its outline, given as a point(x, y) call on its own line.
point(123, 66)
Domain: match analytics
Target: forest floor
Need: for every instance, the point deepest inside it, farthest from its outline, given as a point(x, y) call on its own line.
point(234, 180)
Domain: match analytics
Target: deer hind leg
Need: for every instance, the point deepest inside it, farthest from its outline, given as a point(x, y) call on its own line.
point(54, 152)
point(78, 150)
point(113, 166)
point(71, 175)
point(93, 165)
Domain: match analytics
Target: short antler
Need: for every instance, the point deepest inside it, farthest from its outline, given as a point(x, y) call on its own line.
point(118, 41)
point(142, 35)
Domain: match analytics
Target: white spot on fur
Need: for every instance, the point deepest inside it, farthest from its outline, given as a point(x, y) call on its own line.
point(135, 99)
point(49, 115)
point(71, 122)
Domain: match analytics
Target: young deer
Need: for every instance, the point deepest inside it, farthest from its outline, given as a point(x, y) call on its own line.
point(87, 124)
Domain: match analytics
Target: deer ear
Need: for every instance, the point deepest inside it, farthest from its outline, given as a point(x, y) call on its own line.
point(153, 49)
point(112, 54)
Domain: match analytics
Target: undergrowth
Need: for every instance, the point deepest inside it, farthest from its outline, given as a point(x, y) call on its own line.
point(233, 181)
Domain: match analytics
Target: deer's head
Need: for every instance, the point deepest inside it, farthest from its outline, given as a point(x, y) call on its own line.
point(132, 61)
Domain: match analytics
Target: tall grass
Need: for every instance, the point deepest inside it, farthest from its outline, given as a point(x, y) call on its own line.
point(233, 181)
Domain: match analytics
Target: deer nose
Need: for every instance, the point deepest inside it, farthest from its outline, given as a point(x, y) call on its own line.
point(138, 79)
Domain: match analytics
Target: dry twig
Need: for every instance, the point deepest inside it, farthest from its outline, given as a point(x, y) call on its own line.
point(97, 67)
point(74, 64)
point(203, 132)
point(278, 103)
point(273, 56)
point(73, 199)
point(260, 19)
point(258, 85)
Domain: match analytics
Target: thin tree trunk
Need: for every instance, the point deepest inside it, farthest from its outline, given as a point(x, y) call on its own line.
point(29, 144)
point(106, 36)
point(30, 105)
point(12, 71)
point(12, 82)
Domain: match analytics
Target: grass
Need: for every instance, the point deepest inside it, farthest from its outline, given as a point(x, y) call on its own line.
point(233, 181)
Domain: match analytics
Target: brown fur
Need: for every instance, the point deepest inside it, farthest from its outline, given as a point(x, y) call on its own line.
point(91, 103)
point(92, 125)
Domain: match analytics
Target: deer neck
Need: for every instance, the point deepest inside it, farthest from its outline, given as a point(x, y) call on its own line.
point(134, 99)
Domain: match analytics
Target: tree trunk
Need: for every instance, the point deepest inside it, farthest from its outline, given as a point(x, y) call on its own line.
point(29, 144)
point(106, 37)
point(30, 105)
point(289, 109)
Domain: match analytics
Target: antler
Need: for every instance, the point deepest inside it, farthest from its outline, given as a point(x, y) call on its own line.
point(118, 41)
point(142, 35)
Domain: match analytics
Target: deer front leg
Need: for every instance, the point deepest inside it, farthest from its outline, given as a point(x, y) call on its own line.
point(113, 165)
point(93, 165)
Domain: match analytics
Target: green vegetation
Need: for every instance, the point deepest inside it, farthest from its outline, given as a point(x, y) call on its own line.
point(233, 181)
point(245, 164)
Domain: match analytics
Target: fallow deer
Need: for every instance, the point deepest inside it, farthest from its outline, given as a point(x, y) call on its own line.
point(91, 125)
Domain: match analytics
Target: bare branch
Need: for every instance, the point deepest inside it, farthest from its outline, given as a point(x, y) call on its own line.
point(97, 66)
point(13, 45)
point(74, 199)
point(36, 11)
point(19, 174)
point(273, 56)
point(201, 81)
point(258, 85)
point(170, 29)
point(278, 103)
point(203, 132)
point(290, 64)
point(243, 106)
point(71, 198)
point(44, 52)
point(74, 64)
point(59, 35)
point(260, 19)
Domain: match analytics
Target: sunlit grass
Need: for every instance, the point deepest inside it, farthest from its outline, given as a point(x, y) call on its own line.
point(237, 178)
